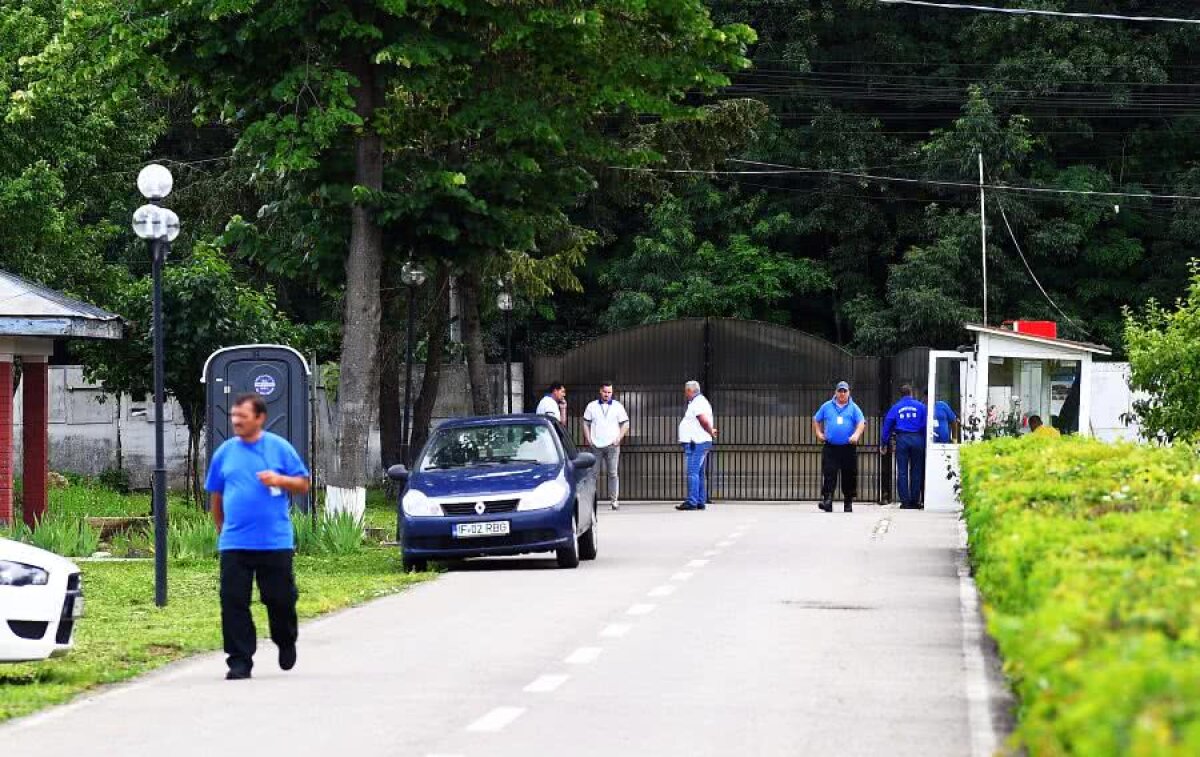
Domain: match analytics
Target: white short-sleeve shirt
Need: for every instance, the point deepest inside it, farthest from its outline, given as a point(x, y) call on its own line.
point(690, 429)
point(604, 421)
point(549, 406)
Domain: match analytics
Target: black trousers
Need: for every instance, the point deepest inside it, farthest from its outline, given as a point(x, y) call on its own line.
point(835, 459)
point(277, 588)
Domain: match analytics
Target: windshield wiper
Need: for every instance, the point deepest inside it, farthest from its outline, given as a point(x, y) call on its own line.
point(516, 460)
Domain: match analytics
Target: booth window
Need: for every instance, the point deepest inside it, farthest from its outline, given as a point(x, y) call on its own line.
point(1021, 387)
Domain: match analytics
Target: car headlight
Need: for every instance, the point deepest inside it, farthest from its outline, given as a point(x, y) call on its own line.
point(20, 574)
point(548, 494)
point(417, 505)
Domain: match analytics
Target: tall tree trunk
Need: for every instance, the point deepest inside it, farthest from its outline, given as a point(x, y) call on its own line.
point(473, 341)
point(391, 410)
point(360, 321)
point(439, 321)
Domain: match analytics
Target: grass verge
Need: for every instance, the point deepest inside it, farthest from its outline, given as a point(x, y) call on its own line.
point(123, 634)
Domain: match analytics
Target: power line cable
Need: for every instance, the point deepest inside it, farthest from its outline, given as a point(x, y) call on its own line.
point(779, 169)
point(1039, 12)
point(1032, 275)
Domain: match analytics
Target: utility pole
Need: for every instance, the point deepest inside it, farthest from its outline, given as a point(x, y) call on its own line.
point(983, 236)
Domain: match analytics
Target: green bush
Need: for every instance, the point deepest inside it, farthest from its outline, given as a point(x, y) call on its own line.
point(115, 479)
point(65, 535)
point(1087, 559)
point(192, 536)
point(337, 534)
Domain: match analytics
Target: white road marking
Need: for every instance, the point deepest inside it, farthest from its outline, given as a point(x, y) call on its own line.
point(616, 630)
point(736, 535)
point(662, 591)
point(584, 655)
point(724, 544)
point(697, 563)
point(882, 526)
point(546, 684)
point(496, 720)
point(682, 576)
point(984, 739)
point(712, 553)
point(640, 609)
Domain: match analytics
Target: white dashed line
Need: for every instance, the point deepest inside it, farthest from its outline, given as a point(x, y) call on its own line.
point(682, 576)
point(546, 684)
point(737, 535)
point(640, 609)
point(712, 553)
point(584, 655)
point(616, 630)
point(724, 544)
point(697, 563)
point(496, 720)
point(662, 591)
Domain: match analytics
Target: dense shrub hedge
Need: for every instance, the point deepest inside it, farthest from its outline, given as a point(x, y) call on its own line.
point(1086, 555)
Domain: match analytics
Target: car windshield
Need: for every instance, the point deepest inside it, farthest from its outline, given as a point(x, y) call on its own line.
point(490, 445)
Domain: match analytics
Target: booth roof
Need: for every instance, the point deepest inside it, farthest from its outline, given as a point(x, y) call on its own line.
point(1098, 349)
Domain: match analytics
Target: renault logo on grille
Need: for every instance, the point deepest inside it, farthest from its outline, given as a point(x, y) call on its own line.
point(480, 508)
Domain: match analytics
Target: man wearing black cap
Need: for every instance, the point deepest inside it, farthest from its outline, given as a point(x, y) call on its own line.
point(839, 423)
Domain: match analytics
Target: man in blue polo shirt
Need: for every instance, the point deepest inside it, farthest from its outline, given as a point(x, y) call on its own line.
point(839, 424)
point(249, 477)
point(945, 423)
point(907, 418)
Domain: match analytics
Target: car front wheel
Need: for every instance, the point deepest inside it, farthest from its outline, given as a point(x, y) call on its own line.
point(568, 556)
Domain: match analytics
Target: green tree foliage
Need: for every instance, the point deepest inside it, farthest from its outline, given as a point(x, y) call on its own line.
point(711, 253)
point(1164, 357)
point(65, 157)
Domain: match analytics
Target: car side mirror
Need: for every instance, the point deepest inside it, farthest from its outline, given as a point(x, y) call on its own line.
point(397, 473)
point(583, 461)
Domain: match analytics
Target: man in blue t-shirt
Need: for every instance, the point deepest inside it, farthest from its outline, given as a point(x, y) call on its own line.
point(944, 422)
point(839, 424)
point(249, 478)
point(907, 418)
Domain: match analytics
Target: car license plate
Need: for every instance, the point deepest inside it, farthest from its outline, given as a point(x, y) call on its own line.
point(488, 528)
point(77, 607)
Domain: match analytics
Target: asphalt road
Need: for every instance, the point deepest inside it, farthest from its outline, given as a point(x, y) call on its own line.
point(742, 630)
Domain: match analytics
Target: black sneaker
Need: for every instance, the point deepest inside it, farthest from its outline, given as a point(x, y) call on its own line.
point(685, 506)
point(849, 508)
point(287, 657)
point(237, 675)
point(825, 505)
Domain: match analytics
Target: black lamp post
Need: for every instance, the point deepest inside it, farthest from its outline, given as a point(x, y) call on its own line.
point(413, 276)
point(159, 226)
point(504, 301)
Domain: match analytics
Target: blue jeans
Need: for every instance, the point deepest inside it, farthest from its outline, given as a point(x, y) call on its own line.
point(694, 456)
point(910, 467)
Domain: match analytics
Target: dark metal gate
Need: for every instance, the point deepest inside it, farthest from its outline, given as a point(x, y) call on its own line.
point(764, 381)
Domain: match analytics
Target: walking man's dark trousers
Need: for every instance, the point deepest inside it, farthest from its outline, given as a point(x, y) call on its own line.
point(272, 569)
point(839, 459)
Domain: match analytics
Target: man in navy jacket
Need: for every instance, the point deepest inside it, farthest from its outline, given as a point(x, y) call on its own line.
point(907, 418)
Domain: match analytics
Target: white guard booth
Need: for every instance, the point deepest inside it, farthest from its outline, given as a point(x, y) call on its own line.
point(993, 387)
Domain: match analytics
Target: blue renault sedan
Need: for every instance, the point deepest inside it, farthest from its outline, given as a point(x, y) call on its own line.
point(499, 485)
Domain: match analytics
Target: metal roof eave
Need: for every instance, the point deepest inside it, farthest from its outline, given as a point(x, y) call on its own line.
point(62, 327)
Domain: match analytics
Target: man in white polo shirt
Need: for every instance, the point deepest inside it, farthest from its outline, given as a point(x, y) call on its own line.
point(605, 424)
point(696, 432)
point(549, 404)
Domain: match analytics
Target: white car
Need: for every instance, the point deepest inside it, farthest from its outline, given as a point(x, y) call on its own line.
point(41, 598)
